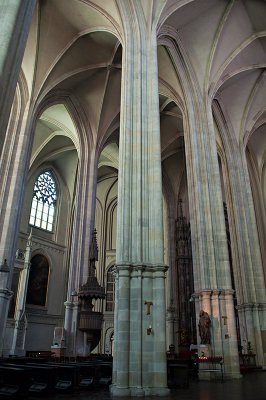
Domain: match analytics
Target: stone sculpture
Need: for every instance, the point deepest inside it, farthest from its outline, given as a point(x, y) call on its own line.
point(204, 327)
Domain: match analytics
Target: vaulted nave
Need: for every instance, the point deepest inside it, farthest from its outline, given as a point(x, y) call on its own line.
point(133, 183)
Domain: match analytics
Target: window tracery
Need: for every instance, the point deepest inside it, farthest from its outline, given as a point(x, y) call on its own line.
point(43, 202)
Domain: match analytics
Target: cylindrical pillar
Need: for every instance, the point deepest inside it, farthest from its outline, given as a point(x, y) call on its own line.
point(230, 336)
point(15, 21)
point(83, 225)
point(140, 339)
point(217, 304)
point(122, 330)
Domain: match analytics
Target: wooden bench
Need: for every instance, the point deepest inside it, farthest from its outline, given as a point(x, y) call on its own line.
point(178, 373)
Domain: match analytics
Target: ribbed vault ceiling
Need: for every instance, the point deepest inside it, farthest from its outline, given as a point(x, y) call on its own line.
point(74, 49)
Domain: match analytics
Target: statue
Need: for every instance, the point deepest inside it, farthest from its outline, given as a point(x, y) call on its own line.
point(204, 327)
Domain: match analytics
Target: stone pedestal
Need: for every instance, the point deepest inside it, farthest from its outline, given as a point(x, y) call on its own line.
point(210, 367)
point(58, 351)
point(204, 350)
point(58, 347)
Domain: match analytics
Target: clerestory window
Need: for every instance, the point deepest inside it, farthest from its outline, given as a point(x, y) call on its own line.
point(43, 202)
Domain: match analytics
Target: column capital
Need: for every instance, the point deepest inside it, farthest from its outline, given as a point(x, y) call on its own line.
point(228, 292)
point(68, 304)
point(252, 306)
point(205, 292)
point(216, 292)
point(195, 296)
point(245, 306)
point(71, 304)
point(122, 270)
point(144, 267)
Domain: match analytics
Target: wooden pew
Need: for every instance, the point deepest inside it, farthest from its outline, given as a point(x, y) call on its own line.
point(43, 377)
point(15, 381)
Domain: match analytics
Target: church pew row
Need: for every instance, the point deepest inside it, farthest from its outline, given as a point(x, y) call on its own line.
point(14, 382)
point(36, 378)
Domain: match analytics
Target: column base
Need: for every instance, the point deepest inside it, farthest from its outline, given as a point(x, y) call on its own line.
point(119, 392)
point(157, 391)
point(139, 392)
point(210, 376)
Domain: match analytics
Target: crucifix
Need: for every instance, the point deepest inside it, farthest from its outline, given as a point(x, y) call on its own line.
point(149, 304)
point(224, 318)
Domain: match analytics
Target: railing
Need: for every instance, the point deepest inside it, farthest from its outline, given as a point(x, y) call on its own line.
point(90, 320)
point(210, 363)
point(247, 360)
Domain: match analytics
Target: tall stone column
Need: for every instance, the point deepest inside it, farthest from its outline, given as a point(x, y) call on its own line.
point(209, 242)
point(251, 295)
point(5, 295)
point(247, 258)
point(14, 164)
point(171, 280)
point(19, 334)
point(140, 338)
point(67, 325)
point(115, 353)
point(83, 225)
point(15, 21)
point(217, 301)
point(229, 332)
point(211, 267)
point(197, 311)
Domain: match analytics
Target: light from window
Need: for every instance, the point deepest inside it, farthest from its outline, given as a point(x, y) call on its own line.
point(43, 202)
point(110, 291)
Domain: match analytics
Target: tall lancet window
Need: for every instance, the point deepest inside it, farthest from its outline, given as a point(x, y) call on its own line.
point(43, 202)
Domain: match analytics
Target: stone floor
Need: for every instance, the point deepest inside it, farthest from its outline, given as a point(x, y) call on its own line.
point(252, 386)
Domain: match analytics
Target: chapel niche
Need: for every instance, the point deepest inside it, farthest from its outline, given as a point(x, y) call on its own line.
point(38, 281)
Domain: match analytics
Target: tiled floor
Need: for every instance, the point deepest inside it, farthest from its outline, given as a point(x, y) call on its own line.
point(251, 387)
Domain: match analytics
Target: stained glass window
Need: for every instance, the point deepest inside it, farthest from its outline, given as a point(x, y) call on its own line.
point(110, 291)
point(43, 202)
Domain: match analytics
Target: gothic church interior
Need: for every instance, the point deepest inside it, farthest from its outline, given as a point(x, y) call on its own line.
point(141, 124)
